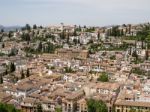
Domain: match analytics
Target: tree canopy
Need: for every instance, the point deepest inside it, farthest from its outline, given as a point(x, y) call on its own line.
point(34, 26)
point(7, 108)
point(96, 106)
point(103, 77)
point(58, 109)
point(39, 108)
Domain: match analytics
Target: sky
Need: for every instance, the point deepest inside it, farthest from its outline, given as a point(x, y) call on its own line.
point(79, 12)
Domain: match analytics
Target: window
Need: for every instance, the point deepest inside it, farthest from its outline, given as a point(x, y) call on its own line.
point(49, 106)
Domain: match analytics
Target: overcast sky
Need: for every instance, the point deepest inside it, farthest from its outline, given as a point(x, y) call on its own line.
point(83, 12)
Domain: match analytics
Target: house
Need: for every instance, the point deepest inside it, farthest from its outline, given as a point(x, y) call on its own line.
point(128, 101)
point(134, 96)
point(25, 89)
point(29, 104)
point(106, 92)
point(72, 53)
point(145, 66)
point(82, 105)
point(69, 104)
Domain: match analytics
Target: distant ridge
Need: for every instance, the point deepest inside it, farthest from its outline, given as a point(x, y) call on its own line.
point(10, 28)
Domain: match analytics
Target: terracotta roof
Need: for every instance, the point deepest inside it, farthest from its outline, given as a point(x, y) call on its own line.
point(133, 103)
point(107, 85)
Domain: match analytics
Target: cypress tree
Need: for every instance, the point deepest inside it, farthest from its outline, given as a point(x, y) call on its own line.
point(27, 73)
point(22, 74)
point(1, 79)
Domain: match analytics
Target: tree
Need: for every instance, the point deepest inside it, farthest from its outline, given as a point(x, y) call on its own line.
point(12, 67)
point(34, 26)
point(39, 108)
point(67, 38)
point(103, 77)
point(12, 52)
point(146, 55)
point(3, 45)
point(138, 71)
point(3, 108)
point(1, 79)
point(41, 27)
point(16, 79)
point(75, 32)
point(50, 48)
point(68, 70)
point(6, 72)
point(96, 106)
point(40, 47)
point(75, 41)
point(113, 57)
point(115, 31)
point(98, 35)
point(58, 109)
point(62, 35)
point(22, 74)
point(122, 32)
point(134, 54)
point(109, 32)
point(25, 37)
point(95, 47)
point(130, 50)
point(2, 30)
point(91, 105)
point(129, 28)
point(27, 27)
point(53, 67)
point(27, 72)
point(143, 35)
point(10, 34)
point(79, 28)
point(7, 108)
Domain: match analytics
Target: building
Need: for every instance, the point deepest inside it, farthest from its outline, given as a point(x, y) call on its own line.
point(72, 53)
point(128, 101)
